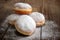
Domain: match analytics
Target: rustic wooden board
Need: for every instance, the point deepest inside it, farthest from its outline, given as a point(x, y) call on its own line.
point(49, 32)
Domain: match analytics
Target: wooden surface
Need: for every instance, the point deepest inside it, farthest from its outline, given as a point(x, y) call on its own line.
point(51, 10)
point(49, 32)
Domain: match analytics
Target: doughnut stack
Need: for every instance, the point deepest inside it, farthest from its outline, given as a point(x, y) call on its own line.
point(24, 20)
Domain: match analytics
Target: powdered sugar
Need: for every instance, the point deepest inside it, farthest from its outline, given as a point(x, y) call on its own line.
point(47, 31)
point(22, 5)
point(12, 17)
point(26, 23)
point(37, 16)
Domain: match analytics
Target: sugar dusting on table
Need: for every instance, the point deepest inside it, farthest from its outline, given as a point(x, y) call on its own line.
point(49, 30)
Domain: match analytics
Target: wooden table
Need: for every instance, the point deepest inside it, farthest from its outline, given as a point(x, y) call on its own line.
point(50, 30)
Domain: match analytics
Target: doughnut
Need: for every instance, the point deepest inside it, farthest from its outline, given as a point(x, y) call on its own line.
point(12, 18)
point(22, 8)
point(25, 25)
point(38, 17)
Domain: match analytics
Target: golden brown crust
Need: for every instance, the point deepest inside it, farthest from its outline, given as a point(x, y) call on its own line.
point(23, 32)
point(23, 11)
point(40, 23)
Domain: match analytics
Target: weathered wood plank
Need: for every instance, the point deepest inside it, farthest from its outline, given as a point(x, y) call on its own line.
point(49, 31)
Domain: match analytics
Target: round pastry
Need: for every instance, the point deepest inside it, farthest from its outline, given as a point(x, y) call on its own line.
point(22, 8)
point(38, 17)
point(25, 25)
point(12, 18)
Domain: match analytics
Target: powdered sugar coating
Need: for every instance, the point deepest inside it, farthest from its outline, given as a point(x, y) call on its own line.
point(12, 17)
point(26, 23)
point(37, 16)
point(22, 5)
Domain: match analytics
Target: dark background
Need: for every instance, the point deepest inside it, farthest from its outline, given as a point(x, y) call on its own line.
point(51, 8)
